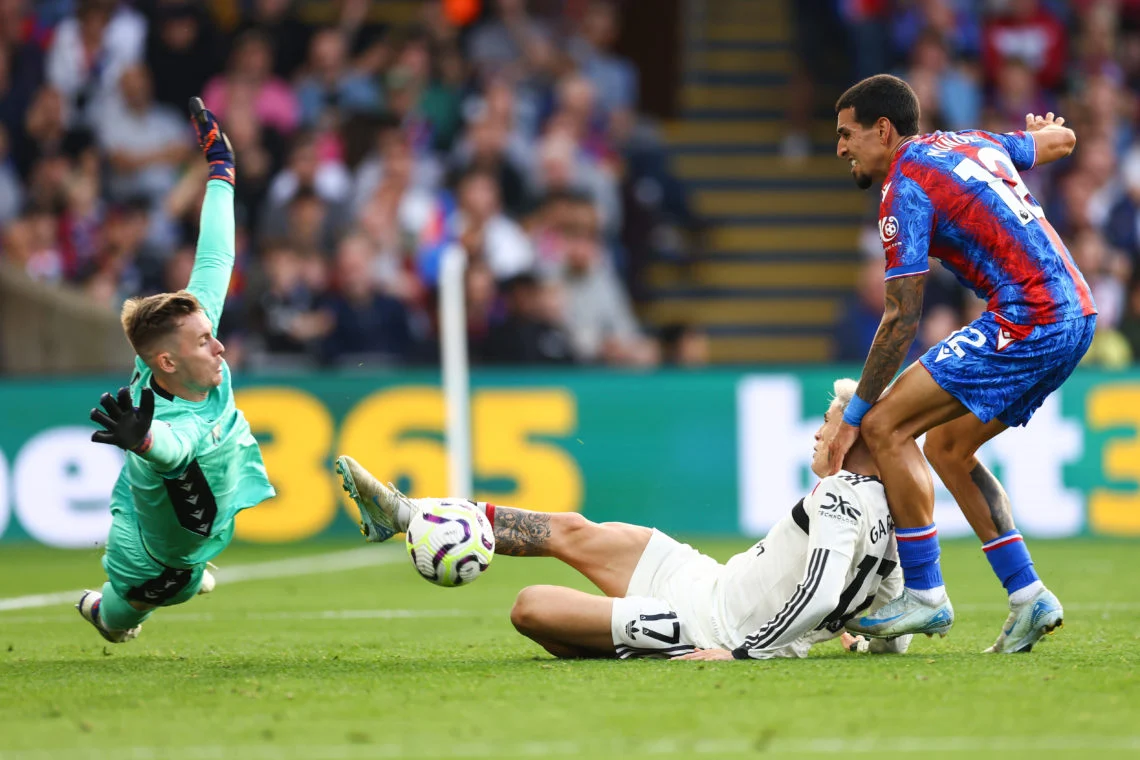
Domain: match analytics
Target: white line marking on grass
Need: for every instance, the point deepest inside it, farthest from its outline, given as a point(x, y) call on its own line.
point(936, 745)
point(334, 562)
point(206, 617)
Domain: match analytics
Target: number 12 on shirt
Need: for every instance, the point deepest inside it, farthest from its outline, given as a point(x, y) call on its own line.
point(1004, 180)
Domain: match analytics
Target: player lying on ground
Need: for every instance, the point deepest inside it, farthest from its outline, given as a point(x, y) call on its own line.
point(831, 557)
point(191, 462)
point(957, 197)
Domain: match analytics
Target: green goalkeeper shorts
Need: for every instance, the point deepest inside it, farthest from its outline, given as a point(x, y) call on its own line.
point(137, 576)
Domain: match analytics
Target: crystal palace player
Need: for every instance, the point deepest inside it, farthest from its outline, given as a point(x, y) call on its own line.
point(830, 558)
point(957, 196)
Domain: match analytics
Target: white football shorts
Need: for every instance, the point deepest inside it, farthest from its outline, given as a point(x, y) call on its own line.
point(668, 608)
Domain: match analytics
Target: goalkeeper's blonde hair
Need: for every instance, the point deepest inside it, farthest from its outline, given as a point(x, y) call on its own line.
point(843, 390)
point(146, 321)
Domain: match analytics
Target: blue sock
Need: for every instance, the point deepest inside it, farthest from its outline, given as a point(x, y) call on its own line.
point(1009, 557)
point(116, 613)
point(918, 555)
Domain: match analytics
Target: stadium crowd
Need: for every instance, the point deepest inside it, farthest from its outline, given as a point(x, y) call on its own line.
point(364, 152)
point(986, 64)
point(507, 128)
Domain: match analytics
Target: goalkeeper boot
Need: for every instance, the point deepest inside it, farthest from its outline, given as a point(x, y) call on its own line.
point(906, 614)
point(384, 511)
point(88, 607)
point(213, 142)
point(1028, 622)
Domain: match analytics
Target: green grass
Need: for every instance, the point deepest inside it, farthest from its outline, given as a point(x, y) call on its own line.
point(279, 669)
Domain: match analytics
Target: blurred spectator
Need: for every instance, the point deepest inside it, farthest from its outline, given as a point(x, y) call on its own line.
point(32, 244)
point(249, 78)
point(1101, 268)
point(21, 74)
point(958, 97)
point(125, 264)
point(684, 345)
point(485, 148)
point(861, 313)
point(442, 100)
point(1123, 225)
point(182, 52)
point(11, 190)
point(288, 38)
point(258, 151)
point(613, 77)
point(599, 316)
point(560, 169)
point(954, 22)
point(527, 334)
point(306, 172)
point(1027, 31)
point(308, 222)
point(1130, 324)
point(506, 248)
point(47, 134)
point(365, 321)
point(1017, 92)
point(331, 89)
point(867, 26)
point(286, 314)
point(396, 212)
point(89, 52)
point(145, 143)
point(512, 43)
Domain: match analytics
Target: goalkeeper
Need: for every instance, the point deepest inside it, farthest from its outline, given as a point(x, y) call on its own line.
point(191, 462)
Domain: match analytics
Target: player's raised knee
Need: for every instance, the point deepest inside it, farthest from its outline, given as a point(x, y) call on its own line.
point(527, 612)
point(881, 429)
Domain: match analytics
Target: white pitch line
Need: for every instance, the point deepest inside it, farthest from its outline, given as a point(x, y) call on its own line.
point(878, 745)
point(333, 562)
point(175, 616)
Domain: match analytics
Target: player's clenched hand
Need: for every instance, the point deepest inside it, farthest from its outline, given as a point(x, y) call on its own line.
point(845, 437)
point(127, 426)
point(707, 654)
point(1034, 122)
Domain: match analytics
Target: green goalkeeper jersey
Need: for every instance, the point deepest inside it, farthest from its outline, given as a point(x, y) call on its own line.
point(204, 465)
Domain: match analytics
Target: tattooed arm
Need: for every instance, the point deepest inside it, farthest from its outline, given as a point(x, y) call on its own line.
point(895, 335)
point(892, 341)
point(519, 533)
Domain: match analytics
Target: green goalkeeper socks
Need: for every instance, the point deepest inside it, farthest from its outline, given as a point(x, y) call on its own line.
point(116, 613)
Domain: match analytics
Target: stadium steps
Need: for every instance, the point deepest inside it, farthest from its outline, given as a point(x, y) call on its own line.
point(780, 250)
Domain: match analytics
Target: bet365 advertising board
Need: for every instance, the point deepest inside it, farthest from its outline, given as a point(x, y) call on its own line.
point(715, 452)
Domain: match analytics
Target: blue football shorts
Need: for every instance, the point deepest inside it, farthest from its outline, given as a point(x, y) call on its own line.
point(1005, 371)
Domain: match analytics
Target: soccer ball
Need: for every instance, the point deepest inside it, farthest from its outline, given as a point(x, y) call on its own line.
point(450, 542)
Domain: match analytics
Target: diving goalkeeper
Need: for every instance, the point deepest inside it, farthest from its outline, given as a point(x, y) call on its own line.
point(191, 461)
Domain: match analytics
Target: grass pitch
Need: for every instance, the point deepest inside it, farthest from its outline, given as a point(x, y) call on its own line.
point(370, 661)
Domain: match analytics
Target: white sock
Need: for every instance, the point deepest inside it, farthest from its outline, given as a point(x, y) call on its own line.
point(928, 596)
point(404, 514)
point(1023, 595)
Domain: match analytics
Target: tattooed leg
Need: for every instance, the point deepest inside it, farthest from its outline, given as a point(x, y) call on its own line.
point(520, 533)
point(950, 448)
point(605, 553)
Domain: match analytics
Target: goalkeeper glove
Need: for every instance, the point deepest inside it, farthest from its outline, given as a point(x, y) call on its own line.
point(213, 142)
point(127, 426)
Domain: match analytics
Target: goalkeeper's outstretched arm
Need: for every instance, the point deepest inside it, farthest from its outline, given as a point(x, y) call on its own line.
point(214, 260)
